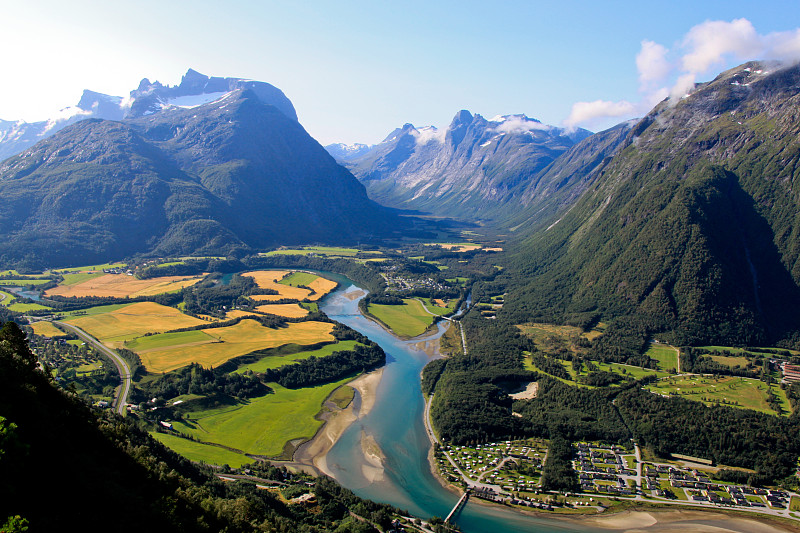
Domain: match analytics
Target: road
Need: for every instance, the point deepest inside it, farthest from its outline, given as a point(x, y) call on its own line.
point(122, 366)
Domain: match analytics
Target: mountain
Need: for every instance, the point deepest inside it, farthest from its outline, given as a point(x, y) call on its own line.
point(474, 169)
point(195, 89)
point(346, 152)
point(235, 173)
point(691, 226)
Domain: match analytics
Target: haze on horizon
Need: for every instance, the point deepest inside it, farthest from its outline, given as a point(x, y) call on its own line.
point(357, 70)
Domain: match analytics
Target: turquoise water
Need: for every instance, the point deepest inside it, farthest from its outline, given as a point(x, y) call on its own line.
point(396, 424)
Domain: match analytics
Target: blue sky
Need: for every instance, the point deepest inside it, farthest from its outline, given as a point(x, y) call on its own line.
point(356, 70)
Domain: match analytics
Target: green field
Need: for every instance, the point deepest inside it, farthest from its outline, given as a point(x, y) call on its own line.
point(100, 267)
point(24, 308)
point(275, 361)
point(204, 453)
point(636, 372)
point(79, 277)
point(319, 250)
point(407, 320)
point(264, 425)
point(23, 282)
point(744, 393)
point(297, 279)
point(162, 340)
point(435, 309)
point(666, 355)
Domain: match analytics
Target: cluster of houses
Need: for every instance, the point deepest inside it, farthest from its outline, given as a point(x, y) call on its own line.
point(402, 283)
point(603, 470)
point(700, 488)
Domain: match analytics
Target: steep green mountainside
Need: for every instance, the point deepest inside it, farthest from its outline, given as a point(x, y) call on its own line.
point(693, 226)
point(477, 169)
point(232, 174)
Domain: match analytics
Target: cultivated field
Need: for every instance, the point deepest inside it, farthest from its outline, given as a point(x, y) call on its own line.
point(666, 355)
point(206, 453)
point(264, 425)
point(407, 320)
point(274, 361)
point(129, 321)
point(225, 343)
point(729, 390)
point(46, 329)
point(321, 286)
point(269, 279)
point(285, 310)
point(122, 286)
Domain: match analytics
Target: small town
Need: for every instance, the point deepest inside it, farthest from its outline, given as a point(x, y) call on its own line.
point(510, 472)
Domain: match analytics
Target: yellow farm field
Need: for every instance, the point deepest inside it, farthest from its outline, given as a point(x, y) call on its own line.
point(46, 329)
point(321, 287)
point(233, 341)
point(285, 310)
point(132, 321)
point(121, 285)
point(268, 279)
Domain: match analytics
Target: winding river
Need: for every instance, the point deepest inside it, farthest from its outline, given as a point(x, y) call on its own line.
point(395, 469)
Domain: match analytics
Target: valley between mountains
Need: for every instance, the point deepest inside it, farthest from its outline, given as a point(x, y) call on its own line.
point(555, 322)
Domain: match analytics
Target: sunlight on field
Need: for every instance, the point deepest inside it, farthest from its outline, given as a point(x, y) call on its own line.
point(732, 391)
point(269, 279)
point(666, 355)
point(264, 425)
point(408, 320)
point(130, 321)
point(46, 329)
point(285, 310)
point(121, 286)
point(231, 341)
point(206, 453)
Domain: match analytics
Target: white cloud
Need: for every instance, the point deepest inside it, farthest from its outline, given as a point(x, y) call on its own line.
point(519, 124)
point(587, 112)
point(652, 63)
point(706, 49)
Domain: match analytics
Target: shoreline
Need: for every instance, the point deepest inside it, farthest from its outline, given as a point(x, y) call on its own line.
point(313, 453)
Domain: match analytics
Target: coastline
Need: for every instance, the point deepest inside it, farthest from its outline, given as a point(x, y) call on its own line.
point(314, 452)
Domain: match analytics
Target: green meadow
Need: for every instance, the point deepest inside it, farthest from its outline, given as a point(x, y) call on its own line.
point(407, 320)
point(262, 426)
point(274, 361)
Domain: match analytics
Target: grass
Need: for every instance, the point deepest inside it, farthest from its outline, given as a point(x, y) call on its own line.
point(204, 453)
point(407, 320)
point(319, 250)
point(46, 329)
point(23, 282)
point(264, 425)
point(744, 393)
point(134, 320)
point(122, 286)
point(78, 277)
point(275, 361)
point(343, 396)
point(296, 279)
point(438, 309)
point(23, 308)
point(666, 355)
point(233, 341)
point(100, 267)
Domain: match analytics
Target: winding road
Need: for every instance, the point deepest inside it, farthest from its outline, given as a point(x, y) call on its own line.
point(122, 366)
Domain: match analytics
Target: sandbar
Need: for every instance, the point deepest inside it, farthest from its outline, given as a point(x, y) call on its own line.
point(314, 452)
